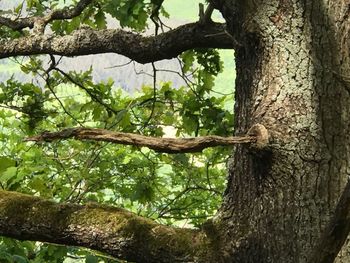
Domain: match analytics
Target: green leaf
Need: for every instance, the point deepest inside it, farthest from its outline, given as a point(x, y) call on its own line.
point(129, 13)
point(19, 259)
point(91, 259)
point(8, 174)
point(5, 257)
point(143, 193)
point(100, 20)
point(187, 59)
point(5, 163)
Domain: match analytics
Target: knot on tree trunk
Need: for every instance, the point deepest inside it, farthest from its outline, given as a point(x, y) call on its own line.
point(261, 134)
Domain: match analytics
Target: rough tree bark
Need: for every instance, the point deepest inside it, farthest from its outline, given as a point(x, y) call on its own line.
point(292, 60)
point(289, 78)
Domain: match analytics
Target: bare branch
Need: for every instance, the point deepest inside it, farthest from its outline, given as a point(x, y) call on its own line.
point(137, 47)
point(65, 13)
point(115, 231)
point(167, 145)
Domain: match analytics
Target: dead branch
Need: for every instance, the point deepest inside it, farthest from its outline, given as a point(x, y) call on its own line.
point(257, 136)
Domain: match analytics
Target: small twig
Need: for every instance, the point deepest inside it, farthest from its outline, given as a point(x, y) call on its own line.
point(154, 95)
point(47, 80)
point(156, 6)
point(21, 9)
point(120, 65)
point(92, 96)
point(61, 103)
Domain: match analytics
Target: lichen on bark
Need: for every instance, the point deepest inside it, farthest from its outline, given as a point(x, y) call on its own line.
point(109, 229)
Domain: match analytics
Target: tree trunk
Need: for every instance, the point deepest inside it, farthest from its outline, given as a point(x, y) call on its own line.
point(291, 77)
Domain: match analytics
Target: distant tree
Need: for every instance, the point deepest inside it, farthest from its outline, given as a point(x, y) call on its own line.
point(286, 198)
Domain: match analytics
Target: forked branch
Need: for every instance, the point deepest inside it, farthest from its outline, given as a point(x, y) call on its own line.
point(205, 16)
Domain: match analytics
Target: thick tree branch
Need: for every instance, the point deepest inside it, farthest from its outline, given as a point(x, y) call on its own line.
point(167, 145)
point(112, 230)
point(336, 233)
point(65, 13)
point(139, 48)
